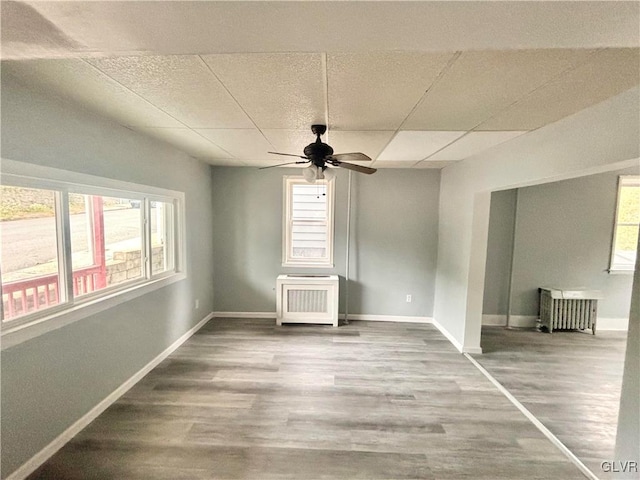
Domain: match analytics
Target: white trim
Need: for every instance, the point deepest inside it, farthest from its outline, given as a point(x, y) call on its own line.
point(27, 331)
point(523, 321)
point(614, 324)
point(72, 309)
point(452, 339)
point(447, 335)
point(494, 320)
point(532, 418)
point(232, 315)
point(623, 181)
point(287, 259)
point(47, 452)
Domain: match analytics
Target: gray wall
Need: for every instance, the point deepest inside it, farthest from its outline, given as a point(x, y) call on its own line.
point(49, 382)
point(563, 239)
point(393, 250)
point(499, 252)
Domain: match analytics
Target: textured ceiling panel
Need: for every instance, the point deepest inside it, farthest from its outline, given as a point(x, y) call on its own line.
point(289, 141)
point(608, 73)
point(370, 143)
point(182, 86)
point(472, 143)
point(276, 90)
point(243, 143)
point(81, 83)
point(480, 84)
point(261, 163)
point(188, 141)
point(415, 146)
point(119, 28)
point(376, 91)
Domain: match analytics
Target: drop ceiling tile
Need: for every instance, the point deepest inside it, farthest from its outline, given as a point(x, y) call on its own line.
point(472, 143)
point(376, 91)
point(261, 163)
point(78, 81)
point(608, 73)
point(241, 143)
point(480, 84)
point(283, 90)
point(180, 85)
point(188, 141)
point(289, 141)
point(412, 145)
point(370, 143)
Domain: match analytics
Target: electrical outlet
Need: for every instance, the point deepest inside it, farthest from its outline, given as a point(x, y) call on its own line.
point(197, 304)
point(408, 298)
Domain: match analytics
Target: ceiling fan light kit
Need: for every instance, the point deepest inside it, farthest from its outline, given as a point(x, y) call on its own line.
point(319, 154)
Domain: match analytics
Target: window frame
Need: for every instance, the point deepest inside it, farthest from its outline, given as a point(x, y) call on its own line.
point(623, 180)
point(288, 260)
point(70, 308)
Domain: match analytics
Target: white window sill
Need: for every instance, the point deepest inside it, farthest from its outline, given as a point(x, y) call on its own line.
point(308, 265)
point(12, 336)
point(619, 271)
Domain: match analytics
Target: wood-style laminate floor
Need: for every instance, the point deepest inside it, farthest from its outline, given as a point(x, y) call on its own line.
point(244, 399)
point(569, 380)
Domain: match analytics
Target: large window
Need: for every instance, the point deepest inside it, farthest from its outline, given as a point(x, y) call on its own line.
point(63, 244)
point(625, 232)
point(308, 223)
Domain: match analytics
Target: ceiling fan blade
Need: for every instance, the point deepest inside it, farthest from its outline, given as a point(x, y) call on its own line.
point(288, 155)
point(355, 168)
point(351, 157)
point(282, 164)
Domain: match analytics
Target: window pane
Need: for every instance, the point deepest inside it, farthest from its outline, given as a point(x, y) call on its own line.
point(629, 206)
point(30, 267)
point(309, 221)
point(106, 242)
point(309, 241)
point(309, 202)
point(624, 254)
point(161, 237)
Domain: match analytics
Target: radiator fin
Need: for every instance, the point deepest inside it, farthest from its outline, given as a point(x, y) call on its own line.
point(567, 314)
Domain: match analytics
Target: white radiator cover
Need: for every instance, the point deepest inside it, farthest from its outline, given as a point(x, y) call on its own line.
point(569, 309)
point(307, 299)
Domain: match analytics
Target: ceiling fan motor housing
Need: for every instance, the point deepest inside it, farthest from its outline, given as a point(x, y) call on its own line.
point(318, 151)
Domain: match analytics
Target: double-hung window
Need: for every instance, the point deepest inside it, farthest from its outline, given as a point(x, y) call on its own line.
point(627, 221)
point(308, 223)
point(64, 245)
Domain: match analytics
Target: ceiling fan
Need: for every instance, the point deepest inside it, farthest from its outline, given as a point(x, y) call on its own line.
point(320, 155)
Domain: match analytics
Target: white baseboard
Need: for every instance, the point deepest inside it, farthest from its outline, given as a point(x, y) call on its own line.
point(530, 321)
point(47, 452)
point(454, 342)
point(231, 315)
point(523, 321)
point(612, 324)
point(494, 320)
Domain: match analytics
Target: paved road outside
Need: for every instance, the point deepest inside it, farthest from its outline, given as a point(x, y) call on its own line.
point(32, 241)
